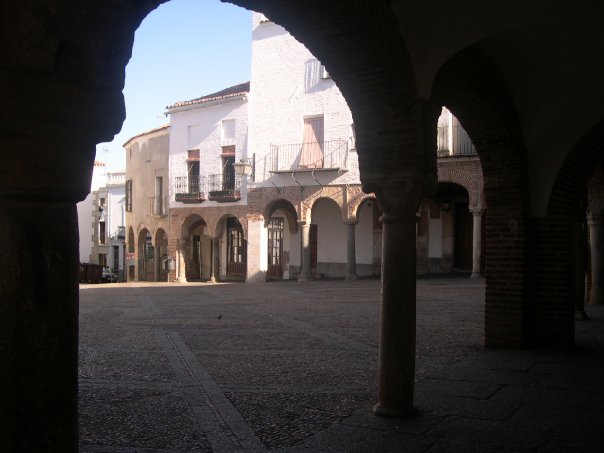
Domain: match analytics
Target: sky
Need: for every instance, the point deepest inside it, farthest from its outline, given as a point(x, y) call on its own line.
point(183, 50)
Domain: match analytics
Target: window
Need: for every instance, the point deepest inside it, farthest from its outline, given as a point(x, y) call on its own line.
point(102, 232)
point(193, 135)
point(311, 155)
point(158, 205)
point(228, 131)
point(103, 259)
point(128, 191)
point(228, 171)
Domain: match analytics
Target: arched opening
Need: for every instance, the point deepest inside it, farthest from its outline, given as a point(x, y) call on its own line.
point(145, 257)
point(161, 256)
point(196, 249)
point(232, 249)
point(368, 239)
point(327, 240)
point(283, 245)
point(450, 245)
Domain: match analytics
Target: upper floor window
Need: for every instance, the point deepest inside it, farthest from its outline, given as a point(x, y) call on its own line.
point(228, 131)
point(193, 135)
point(128, 190)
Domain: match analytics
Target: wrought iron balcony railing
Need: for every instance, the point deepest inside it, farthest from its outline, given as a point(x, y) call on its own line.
point(189, 189)
point(454, 141)
point(223, 187)
point(329, 155)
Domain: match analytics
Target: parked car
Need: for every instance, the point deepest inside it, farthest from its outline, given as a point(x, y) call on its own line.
point(108, 276)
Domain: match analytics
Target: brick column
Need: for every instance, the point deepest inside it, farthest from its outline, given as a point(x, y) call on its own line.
point(305, 274)
point(396, 360)
point(477, 243)
point(596, 241)
point(351, 274)
point(180, 256)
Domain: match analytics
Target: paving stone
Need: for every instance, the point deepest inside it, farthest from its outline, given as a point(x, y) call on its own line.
point(121, 417)
point(358, 439)
point(291, 367)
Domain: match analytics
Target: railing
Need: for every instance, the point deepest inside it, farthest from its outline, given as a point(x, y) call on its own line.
point(189, 189)
point(309, 156)
point(223, 187)
point(116, 179)
point(157, 206)
point(454, 141)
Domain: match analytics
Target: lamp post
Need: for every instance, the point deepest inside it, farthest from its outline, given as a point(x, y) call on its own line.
point(245, 167)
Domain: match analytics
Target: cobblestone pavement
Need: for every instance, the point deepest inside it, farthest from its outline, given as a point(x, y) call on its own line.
point(292, 367)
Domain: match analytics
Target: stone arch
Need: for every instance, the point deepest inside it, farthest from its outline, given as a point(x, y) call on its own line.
point(191, 222)
point(220, 224)
point(318, 199)
point(287, 208)
point(467, 178)
point(354, 204)
point(159, 235)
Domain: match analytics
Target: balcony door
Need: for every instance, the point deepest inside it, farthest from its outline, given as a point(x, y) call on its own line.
point(311, 154)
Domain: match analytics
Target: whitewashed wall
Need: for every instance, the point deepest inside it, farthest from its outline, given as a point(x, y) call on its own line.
point(286, 87)
point(84, 208)
point(201, 128)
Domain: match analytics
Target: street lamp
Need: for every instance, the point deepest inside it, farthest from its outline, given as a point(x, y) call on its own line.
point(245, 167)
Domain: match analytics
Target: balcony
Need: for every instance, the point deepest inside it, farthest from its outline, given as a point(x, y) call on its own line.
point(454, 141)
point(116, 179)
point(224, 188)
point(157, 206)
point(300, 157)
point(189, 189)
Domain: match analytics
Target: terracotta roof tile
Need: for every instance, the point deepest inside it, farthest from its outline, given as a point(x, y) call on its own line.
point(233, 91)
point(157, 129)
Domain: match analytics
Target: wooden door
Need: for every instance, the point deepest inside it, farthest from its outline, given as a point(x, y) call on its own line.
point(275, 249)
point(236, 249)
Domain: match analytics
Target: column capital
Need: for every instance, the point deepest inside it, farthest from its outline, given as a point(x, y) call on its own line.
point(350, 223)
point(477, 211)
point(399, 201)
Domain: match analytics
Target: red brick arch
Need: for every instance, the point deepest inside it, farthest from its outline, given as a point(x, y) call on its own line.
point(472, 89)
point(466, 178)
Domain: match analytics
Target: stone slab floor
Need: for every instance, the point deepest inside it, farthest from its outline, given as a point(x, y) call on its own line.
point(292, 367)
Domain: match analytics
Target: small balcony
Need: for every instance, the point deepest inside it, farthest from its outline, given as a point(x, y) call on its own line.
point(314, 156)
point(189, 189)
point(224, 188)
point(157, 206)
point(454, 141)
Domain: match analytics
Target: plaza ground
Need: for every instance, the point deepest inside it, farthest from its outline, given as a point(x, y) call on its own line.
point(293, 367)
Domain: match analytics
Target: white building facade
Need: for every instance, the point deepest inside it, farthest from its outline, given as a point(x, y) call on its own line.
point(265, 184)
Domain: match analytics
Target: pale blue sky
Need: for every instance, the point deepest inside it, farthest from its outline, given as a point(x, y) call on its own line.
point(183, 50)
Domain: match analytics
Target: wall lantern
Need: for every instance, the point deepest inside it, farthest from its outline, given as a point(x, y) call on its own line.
point(245, 167)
